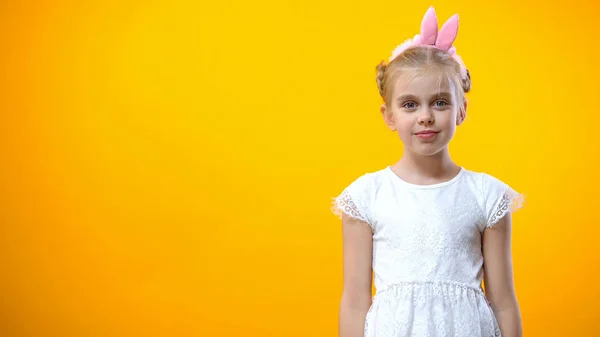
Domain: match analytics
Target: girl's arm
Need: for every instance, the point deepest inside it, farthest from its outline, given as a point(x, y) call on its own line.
point(498, 277)
point(357, 293)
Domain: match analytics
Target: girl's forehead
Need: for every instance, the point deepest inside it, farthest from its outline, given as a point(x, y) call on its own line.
point(422, 83)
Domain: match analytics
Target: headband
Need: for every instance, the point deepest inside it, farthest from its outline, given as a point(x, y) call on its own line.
point(431, 37)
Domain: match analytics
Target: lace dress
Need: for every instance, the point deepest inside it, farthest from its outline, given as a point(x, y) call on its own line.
point(427, 257)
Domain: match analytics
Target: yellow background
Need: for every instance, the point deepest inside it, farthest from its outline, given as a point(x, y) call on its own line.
point(167, 167)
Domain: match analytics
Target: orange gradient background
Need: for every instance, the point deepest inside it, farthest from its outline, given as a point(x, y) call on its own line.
point(167, 167)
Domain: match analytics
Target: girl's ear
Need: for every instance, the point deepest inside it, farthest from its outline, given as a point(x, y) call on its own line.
point(387, 117)
point(462, 114)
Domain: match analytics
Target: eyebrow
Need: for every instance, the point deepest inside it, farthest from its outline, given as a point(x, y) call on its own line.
point(410, 96)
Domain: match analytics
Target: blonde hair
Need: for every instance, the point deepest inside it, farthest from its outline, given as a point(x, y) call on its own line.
point(416, 59)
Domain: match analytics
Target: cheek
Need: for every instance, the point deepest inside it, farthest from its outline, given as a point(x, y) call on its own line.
point(447, 119)
point(405, 127)
point(403, 121)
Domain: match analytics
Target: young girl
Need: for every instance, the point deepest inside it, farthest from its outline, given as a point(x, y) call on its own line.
point(430, 229)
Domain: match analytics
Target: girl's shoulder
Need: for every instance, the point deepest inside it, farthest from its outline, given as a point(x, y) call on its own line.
point(354, 198)
point(496, 196)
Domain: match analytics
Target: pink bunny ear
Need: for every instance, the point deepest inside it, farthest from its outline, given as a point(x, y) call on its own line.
point(429, 27)
point(447, 33)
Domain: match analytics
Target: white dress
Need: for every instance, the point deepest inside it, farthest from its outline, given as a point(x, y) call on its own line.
point(427, 255)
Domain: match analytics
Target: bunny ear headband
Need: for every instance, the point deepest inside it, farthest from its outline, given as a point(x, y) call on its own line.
point(431, 37)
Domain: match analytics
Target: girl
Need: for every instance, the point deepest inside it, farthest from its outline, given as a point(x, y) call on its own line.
point(430, 230)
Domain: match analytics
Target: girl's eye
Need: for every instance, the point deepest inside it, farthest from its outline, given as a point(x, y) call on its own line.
point(409, 105)
point(441, 103)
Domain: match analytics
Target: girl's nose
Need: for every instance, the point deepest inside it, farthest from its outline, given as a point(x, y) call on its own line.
point(426, 119)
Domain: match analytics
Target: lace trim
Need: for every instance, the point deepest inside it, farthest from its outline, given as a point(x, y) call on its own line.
point(434, 284)
point(511, 202)
point(422, 292)
point(345, 204)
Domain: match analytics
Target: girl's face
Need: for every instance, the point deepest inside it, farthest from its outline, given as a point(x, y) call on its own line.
point(424, 112)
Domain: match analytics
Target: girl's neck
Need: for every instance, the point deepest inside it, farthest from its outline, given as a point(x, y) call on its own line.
point(433, 169)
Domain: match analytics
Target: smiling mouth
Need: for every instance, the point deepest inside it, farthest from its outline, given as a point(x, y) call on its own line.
point(427, 135)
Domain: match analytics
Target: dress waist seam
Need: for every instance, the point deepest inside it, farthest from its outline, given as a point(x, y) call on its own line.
point(388, 287)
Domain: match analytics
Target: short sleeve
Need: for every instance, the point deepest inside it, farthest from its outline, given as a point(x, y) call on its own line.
point(353, 200)
point(499, 199)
